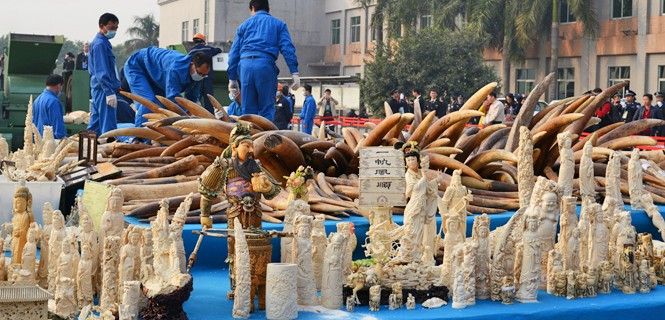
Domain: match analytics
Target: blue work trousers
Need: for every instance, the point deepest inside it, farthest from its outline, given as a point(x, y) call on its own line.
point(140, 85)
point(102, 116)
point(258, 85)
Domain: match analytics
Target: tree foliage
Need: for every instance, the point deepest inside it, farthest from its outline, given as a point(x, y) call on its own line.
point(433, 58)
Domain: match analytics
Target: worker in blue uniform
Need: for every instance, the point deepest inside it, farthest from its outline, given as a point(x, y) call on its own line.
point(308, 111)
point(256, 46)
point(47, 109)
point(104, 83)
point(207, 84)
point(235, 108)
point(155, 71)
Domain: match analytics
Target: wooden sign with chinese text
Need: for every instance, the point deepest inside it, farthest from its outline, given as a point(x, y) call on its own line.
point(382, 181)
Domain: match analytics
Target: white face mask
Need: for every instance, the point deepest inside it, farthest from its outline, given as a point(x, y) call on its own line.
point(110, 34)
point(232, 97)
point(196, 77)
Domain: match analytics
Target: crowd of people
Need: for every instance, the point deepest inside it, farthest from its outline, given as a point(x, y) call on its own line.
point(629, 109)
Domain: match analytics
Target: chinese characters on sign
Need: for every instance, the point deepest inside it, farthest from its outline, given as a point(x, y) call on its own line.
point(382, 181)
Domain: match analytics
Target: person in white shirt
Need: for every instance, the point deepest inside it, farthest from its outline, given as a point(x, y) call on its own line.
point(496, 111)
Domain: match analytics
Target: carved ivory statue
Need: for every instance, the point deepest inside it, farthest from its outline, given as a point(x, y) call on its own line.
point(568, 222)
point(374, 298)
point(42, 269)
point(88, 236)
point(57, 237)
point(410, 302)
point(566, 164)
point(453, 210)
point(571, 257)
point(396, 298)
point(48, 146)
point(110, 261)
point(530, 273)
point(613, 176)
point(84, 276)
point(347, 230)
point(583, 226)
point(146, 254)
point(586, 176)
point(131, 295)
point(130, 262)
point(302, 256)
point(319, 243)
point(525, 176)
point(548, 209)
point(425, 198)
point(333, 273)
point(29, 255)
point(294, 209)
point(65, 298)
point(21, 219)
point(554, 265)
point(635, 177)
point(458, 291)
point(243, 281)
point(112, 223)
point(415, 220)
point(599, 237)
point(469, 271)
point(281, 300)
point(646, 201)
point(480, 235)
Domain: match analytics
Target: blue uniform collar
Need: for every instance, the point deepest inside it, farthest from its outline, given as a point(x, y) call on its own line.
point(46, 90)
point(262, 12)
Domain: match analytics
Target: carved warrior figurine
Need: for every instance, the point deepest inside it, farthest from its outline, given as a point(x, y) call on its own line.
point(319, 242)
point(480, 235)
point(302, 256)
point(243, 282)
point(146, 254)
point(56, 239)
point(333, 273)
point(374, 298)
point(243, 181)
point(42, 269)
point(525, 176)
point(110, 261)
point(566, 164)
point(84, 276)
point(530, 272)
point(21, 219)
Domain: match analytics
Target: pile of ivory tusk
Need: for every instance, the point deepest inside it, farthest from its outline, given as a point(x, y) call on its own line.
point(187, 138)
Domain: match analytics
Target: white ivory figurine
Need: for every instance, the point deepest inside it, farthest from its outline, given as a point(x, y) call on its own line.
point(302, 256)
point(333, 273)
point(530, 272)
point(241, 295)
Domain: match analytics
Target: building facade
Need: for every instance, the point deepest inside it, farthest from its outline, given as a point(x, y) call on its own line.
point(335, 37)
point(629, 46)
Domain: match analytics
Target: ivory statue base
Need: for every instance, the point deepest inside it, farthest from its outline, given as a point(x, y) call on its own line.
point(168, 306)
point(281, 286)
point(420, 295)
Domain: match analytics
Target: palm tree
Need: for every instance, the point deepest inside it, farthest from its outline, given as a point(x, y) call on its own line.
point(493, 20)
point(145, 33)
point(541, 18)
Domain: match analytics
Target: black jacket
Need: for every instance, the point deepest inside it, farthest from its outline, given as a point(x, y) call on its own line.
point(81, 61)
point(436, 106)
point(283, 113)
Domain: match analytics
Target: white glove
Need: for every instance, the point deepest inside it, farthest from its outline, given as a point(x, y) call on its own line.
point(296, 81)
point(219, 114)
point(112, 101)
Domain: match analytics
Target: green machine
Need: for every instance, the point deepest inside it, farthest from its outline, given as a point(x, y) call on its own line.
point(28, 62)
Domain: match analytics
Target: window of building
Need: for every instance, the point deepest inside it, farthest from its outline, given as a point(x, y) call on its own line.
point(661, 78)
point(526, 79)
point(206, 17)
point(195, 26)
point(622, 8)
point(425, 21)
point(618, 75)
point(565, 14)
point(185, 31)
point(335, 31)
point(566, 83)
point(355, 29)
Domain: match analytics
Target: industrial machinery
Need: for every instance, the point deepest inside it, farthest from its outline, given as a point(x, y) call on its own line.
point(29, 60)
